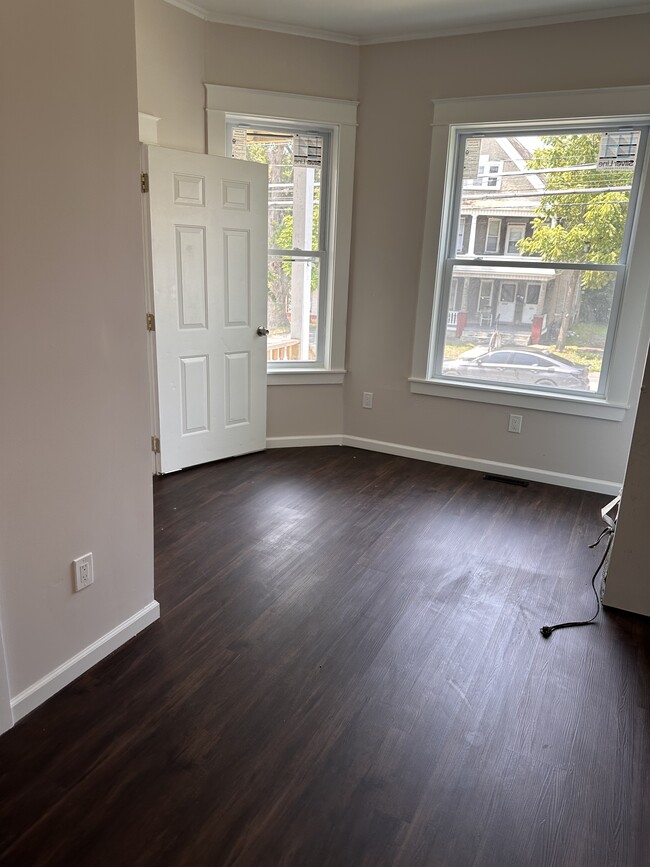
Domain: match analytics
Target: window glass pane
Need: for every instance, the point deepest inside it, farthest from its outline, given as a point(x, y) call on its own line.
point(293, 308)
point(556, 326)
point(516, 232)
point(568, 206)
point(294, 162)
point(486, 288)
point(532, 293)
point(491, 231)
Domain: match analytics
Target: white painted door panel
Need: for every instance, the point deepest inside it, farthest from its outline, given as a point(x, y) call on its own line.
point(208, 233)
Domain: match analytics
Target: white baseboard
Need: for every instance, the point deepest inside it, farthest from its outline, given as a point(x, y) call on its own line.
point(296, 442)
point(47, 686)
point(581, 483)
point(502, 469)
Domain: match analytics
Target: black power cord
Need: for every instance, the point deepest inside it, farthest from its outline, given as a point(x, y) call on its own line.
point(548, 630)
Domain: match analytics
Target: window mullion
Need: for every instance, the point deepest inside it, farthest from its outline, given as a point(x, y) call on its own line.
point(298, 254)
point(524, 262)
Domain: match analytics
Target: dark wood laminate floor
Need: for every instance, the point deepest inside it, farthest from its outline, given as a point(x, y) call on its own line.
point(348, 671)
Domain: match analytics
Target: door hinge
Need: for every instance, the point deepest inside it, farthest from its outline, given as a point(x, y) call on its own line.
point(151, 322)
point(144, 182)
point(155, 445)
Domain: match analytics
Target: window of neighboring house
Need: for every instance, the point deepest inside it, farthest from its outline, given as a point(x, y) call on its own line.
point(298, 229)
point(488, 174)
point(309, 145)
point(492, 236)
point(514, 234)
point(561, 288)
point(533, 292)
point(508, 293)
point(486, 288)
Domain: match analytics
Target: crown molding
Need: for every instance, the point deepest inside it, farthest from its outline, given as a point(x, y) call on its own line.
point(288, 29)
point(186, 6)
point(514, 24)
point(425, 33)
point(263, 24)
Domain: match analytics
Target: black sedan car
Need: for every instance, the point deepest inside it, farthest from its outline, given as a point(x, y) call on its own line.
point(517, 366)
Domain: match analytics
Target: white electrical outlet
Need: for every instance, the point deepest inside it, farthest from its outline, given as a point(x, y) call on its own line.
point(366, 401)
point(83, 572)
point(514, 425)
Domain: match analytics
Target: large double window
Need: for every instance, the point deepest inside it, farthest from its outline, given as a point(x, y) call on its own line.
point(535, 291)
point(534, 283)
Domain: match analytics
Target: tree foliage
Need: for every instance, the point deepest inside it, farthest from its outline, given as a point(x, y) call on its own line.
point(581, 226)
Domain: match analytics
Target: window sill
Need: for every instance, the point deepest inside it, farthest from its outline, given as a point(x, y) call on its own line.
point(591, 407)
point(304, 376)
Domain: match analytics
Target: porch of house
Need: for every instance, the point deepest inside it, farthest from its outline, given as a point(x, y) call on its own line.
point(484, 328)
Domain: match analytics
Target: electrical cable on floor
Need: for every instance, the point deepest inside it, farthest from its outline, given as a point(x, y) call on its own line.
point(548, 630)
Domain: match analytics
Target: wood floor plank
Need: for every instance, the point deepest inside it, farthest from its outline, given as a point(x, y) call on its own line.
point(349, 671)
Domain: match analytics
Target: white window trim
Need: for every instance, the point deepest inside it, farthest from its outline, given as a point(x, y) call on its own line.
point(340, 116)
point(633, 326)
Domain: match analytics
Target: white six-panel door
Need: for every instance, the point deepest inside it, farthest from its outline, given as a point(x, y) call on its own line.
point(209, 262)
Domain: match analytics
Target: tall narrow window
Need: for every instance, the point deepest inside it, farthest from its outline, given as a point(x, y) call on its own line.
point(493, 236)
point(298, 161)
point(514, 234)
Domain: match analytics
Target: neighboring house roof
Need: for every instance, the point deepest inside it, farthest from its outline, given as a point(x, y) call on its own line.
point(519, 155)
point(500, 207)
point(517, 195)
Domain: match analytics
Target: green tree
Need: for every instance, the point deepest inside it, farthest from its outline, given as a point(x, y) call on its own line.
point(577, 226)
point(277, 153)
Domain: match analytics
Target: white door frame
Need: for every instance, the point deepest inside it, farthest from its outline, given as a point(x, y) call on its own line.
point(6, 713)
point(148, 128)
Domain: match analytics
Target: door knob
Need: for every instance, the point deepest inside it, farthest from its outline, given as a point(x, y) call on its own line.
point(262, 331)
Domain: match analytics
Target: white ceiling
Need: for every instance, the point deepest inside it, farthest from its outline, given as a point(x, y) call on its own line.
point(366, 21)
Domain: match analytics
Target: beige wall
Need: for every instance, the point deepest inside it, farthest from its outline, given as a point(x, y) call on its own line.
point(171, 72)
point(75, 461)
point(397, 83)
point(304, 410)
point(177, 53)
point(628, 579)
point(243, 57)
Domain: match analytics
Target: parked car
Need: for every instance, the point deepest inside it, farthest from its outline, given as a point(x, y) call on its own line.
point(519, 367)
